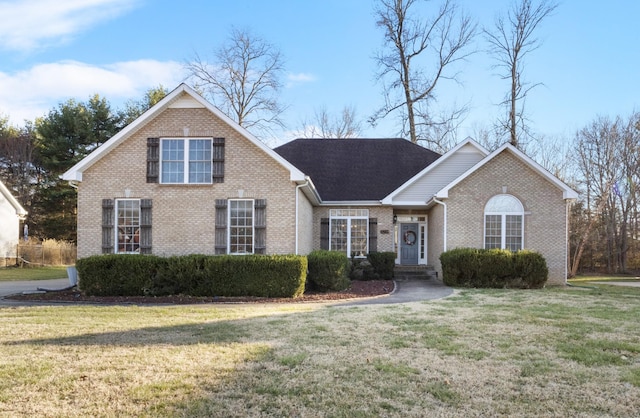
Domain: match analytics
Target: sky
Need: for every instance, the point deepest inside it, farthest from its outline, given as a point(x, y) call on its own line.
point(52, 51)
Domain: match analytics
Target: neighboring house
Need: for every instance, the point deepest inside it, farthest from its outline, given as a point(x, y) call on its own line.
point(184, 178)
point(11, 213)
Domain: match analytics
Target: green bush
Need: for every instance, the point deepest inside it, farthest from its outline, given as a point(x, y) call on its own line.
point(116, 275)
point(532, 267)
point(383, 264)
point(328, 270)
point(479, 268)
point(195, 275)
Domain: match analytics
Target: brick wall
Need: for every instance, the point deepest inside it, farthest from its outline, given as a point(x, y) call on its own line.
point(545, 210)
point(184, 215)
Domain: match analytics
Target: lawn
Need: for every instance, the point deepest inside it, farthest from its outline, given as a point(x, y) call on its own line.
point(550, 352)
point(32, 273)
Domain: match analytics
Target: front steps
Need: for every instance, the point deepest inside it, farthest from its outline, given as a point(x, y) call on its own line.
point(416, 272)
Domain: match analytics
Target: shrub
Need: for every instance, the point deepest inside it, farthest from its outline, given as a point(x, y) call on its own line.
point(196, 275)
point(328, 270)
point(532, 267)
point(383, 263)
point(471, 267)
point(116, 274)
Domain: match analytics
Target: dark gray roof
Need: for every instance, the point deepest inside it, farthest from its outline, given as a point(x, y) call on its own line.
point(357, 169)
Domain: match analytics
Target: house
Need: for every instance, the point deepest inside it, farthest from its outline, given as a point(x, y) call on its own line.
point(11, 213)
point(184, 178)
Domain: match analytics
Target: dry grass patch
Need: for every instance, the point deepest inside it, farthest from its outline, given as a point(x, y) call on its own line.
point(551, 352)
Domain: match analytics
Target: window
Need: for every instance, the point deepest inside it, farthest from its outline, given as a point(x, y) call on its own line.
point(186, 161)
point(348, 231)
point(503, 223)
point(241, 226)
point(128, 225)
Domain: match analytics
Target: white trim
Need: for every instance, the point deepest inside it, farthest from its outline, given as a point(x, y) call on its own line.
point(116, 229)
point(186, 160)
point(253, 225)
point(388, 200)
point(333, 216)
point(503, 221)
point(20, 212)
point(409, 219)
point(567, 192)
point(75, 172)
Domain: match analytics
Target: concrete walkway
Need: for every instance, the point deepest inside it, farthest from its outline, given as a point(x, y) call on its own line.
point(407, 291)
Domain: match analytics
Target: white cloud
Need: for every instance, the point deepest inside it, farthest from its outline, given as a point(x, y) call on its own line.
point(28, 24)
point(299, 78)
point(32, 93)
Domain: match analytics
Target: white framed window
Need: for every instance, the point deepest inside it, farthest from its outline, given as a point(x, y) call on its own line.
point(503, 223)
point(349, 231)
point(241, 226)
point(186, 161)
point(127, 226)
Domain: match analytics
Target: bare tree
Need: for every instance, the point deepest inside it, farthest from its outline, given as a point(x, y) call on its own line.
point(325, 125)
point(408, 87)
point(608, 158)
point(243, 81)
point(510, 41)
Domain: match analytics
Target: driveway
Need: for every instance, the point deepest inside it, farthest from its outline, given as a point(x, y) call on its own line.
point(13, 287)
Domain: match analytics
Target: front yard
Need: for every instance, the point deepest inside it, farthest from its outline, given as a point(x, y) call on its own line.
point(551, 352)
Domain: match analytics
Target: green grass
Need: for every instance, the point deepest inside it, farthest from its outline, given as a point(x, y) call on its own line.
point(32, 273)
point(549, 352)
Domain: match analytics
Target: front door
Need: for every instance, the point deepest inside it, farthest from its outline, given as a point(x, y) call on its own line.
point(409, 244)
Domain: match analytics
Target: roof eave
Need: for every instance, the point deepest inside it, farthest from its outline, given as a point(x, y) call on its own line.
point(352, 203)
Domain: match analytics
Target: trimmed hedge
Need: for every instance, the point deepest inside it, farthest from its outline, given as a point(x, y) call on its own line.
point(328, 270)
point(383, 264)
point(376, 266)
point(479, 268)
point(195, 275)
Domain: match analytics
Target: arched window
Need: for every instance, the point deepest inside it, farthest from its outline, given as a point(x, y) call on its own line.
point(503, 223)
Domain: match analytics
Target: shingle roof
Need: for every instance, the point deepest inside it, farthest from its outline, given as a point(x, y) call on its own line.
point(357, 169)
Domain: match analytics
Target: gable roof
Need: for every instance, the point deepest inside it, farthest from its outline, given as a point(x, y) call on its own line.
point(467, 146)
point(6, 193)
point(185, 97)
point(567, 192)
point(357, 169)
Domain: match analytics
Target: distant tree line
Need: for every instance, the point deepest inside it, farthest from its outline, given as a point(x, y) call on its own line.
point(33, 157)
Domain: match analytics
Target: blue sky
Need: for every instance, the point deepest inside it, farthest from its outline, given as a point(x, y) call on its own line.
point(52, 50)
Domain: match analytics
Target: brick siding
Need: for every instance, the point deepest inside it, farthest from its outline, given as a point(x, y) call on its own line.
point(184, 215)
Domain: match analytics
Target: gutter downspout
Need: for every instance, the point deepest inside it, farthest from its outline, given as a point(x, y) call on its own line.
point(566, 240)
point(298, 187)
point(444, 228)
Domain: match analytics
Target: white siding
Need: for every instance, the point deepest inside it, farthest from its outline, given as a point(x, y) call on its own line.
point(440, 175)
point(9, 225)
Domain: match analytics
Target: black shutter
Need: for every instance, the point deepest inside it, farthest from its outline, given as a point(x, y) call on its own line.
point(145, 226)
point(324, 233)
point(221, 226)
point(153, 160)
point(218, 160)
point(108, 220)
point(373, 235)
point(260, 226)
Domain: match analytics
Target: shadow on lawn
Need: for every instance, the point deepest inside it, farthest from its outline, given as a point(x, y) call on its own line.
point(185, 334)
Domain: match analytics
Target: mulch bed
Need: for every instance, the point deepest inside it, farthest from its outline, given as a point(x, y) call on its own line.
point(358, 289)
